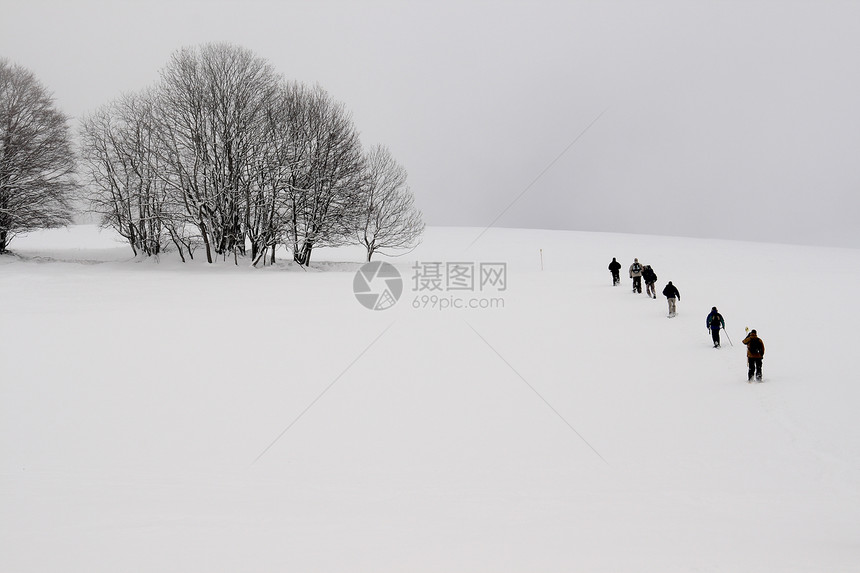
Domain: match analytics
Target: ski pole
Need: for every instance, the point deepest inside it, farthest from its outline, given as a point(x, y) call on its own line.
point(726, 332)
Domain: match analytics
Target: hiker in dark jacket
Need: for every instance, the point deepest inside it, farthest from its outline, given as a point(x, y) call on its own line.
point(715, 322)
point(636, 275)
point(671, 293)
point(755, 355)
point(650, 278)
point(615, 269)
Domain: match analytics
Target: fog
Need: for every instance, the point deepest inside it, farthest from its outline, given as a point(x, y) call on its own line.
point(728, 120)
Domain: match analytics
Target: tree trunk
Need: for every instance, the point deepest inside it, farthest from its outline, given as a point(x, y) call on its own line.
point(261, 256)
point(132, 238)
point(179, 250)
point(303, 255)
point(205, 233)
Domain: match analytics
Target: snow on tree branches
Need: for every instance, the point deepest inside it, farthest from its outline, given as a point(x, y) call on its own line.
point(225, 155)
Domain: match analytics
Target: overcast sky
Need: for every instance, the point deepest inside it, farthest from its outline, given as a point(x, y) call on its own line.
point(714, 119)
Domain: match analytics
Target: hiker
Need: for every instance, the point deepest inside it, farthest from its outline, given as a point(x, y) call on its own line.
point(671, 293)
point(615, 269)
point(755, 354)
point(650, 278)
point(636, 275)
point(714, 323)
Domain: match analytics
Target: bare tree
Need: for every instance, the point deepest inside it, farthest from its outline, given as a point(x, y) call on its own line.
point(268, 213)
point(212, 107)
point(326, 172)
point(118, 148)
point(224, 153)
point(36, 160)
point(390, 220)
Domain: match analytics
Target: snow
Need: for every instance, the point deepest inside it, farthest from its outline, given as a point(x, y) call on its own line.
point(575, 429)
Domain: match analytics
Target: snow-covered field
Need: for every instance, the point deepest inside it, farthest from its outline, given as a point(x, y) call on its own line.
point(162, 417)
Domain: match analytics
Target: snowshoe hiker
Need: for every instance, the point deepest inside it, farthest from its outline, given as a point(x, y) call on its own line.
point(714, 323)
point(671, 293)
point(650, 278)
point(755, 355)
point(615, 269)
point(636, 275)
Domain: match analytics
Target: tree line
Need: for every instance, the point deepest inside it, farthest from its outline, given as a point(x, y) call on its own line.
point(225, 156)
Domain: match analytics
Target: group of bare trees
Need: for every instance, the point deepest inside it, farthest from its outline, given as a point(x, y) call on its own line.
point(36, 161)
point(221, 155)
point(224, 155)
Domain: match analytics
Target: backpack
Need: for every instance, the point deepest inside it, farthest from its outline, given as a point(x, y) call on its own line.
point(649, 275)
point(636, 267)
point(755, 346)
point(714, 321)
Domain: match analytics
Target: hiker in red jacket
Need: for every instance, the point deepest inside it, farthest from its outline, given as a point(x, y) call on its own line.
point(755, 354)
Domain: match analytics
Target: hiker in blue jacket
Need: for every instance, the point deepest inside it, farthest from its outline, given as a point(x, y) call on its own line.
point(714, 323)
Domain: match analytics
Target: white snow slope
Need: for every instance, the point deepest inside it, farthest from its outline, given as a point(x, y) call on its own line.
point(576, 429)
